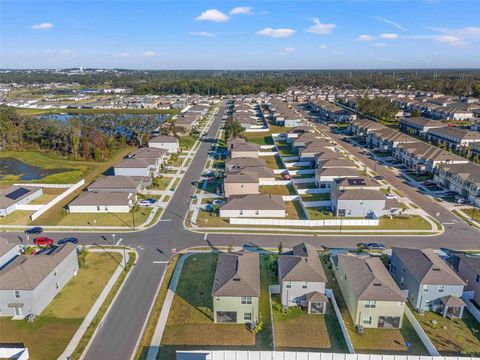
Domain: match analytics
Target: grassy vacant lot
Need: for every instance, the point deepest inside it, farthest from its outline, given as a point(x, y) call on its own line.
point(316, 197)
point(260, 138)
point(470, 213)
point(320, 213)
point(95, 111)
point(387, 341)
point(105, 219)
point(297, 330)
point(455, 337)
point(48, 336)
point(273, 162)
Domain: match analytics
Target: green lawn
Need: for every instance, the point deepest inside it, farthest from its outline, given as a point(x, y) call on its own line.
point(273, 162)
point(299, 331)
point(277, 189)
point(316, 197)
point(457, 337)
point(321, 213)
point(260, 138)
point(61, 319)
point(471, 214)
point(160, 183)
point(187, 142)
point(105, 219)
point(18, 217)
point(275, 129)
point(387, 341)
point(94, 111)
point(286, 150)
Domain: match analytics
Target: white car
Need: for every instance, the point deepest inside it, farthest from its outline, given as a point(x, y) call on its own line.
point(144, 203)
point(391, 196)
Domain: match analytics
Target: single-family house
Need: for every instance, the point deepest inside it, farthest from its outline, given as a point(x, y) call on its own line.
point(431, 283)
point(17, 195)
point(253, 206)
point(128, 184)
point(169, 143)
point(241, 148)
point(362, 203)
point(236, 288)
point(302, 279)
point(373, 298)
point(327, 178)
point(244, 162)
point(361, 182)
point(137, 167)
point(240, 183)
point(29, 283)
point(102, 202)
point(469, 271)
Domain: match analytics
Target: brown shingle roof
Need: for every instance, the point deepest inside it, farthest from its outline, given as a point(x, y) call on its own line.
point(254, 202)
point(303, 264)
point(237, 274)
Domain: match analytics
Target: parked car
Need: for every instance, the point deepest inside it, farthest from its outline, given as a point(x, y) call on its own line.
point(391, 196)
point(217, 202)
point(378, 177)
point(429, 183)
point(286, 177)
point(35, 230)
point(146, 202)
point(72, 240)
point(460, 201)
point(375, 246)
point(43, 241)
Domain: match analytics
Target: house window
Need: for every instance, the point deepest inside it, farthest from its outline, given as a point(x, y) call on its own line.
point(56, 285)
point(441, 288)
point(247, 316)
point(241, 212)
point(393, 269)
point(370, 304)
point(106, 208)
point(55, 272)
point(425, 288)
point(401, 303)
point(288, 285)
point(98, 208)
point(17, 294)
point(242, 185)
point(367, 320)
point(257, 212)
point(304, 285)
point(478, 278)
point(246, 300)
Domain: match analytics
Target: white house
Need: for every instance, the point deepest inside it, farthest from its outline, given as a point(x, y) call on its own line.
point(17, 195)
point(170, 143)
point(102, 202)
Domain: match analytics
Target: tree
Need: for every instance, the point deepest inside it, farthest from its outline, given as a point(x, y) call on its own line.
point(232, 129)
point(415, 113)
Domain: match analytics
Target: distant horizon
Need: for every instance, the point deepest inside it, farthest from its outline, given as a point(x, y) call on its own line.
point(240, 35)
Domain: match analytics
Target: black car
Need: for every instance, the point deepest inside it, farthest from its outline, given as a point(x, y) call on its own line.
point(34, 230)
point(72, 240)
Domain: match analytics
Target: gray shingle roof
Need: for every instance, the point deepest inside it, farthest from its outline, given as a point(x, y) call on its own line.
point(92, 198)
point(118, 182)
point(427, 267)
point(303, 264)
point(164, 139)
point(471, 261)
point(243, 162)
point(358, 194)
point(369, 279)
point(26, 272)
point(254, 202)
point(237, 274)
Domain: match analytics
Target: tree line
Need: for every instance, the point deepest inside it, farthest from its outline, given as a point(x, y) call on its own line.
point(87, 138)
point(451, 82)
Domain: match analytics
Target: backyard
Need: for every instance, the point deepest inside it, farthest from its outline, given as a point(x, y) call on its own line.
point(62, 317)
point(277, 189)
point(273, 162)
point(316, 197)
point(298, 331)
point(260, 138)
point(390, 341)
point(190, 321)
point(457, 337)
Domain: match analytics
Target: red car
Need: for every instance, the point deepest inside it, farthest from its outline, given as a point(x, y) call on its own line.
point(43, 241)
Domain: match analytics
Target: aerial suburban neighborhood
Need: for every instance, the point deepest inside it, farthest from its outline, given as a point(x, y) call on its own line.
point(189, 187)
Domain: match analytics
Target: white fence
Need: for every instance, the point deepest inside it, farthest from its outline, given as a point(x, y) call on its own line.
point(279, 171)
point(348, 341)
point(274, 182)
point(304, 180)
point(267, 147)
point(302, 172)
point(53, 186)
point(28, 207)
point(290, 197)
point(307, 223)
point(290, 158)
point(313, 191)
point(297, 355)
point(320, 203)
point(421, 334)
point(298, 163)
point(267, 153)
point(256, 130)
point(17, 352)
point(56, 200)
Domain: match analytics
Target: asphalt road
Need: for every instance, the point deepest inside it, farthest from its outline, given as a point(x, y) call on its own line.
point(119, 333)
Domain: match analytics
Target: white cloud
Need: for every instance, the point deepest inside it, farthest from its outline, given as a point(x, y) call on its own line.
point(337, 52)
point(321, 29)
point(380, 44)
point(276, 33)
point(389, 36)
point(122, 54)
point(241, 10)
point(451, 40)
point(213, 15)
point(264, 12)
point(323, 46)
point(468, 31)
point(289, 49)
point(364, 37)
point(43, 26)
point(390, 22)
point(149, 53)
point(201, 33)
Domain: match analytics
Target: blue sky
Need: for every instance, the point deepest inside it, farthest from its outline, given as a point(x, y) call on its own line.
point(240, 34)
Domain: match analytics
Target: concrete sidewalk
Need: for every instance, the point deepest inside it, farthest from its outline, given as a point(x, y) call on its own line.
point(96, 306)
point(162, 320)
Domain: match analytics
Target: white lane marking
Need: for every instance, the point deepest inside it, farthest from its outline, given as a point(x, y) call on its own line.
point(205, 236)
point(448, 223)
point(160, 262)
point(165, 220)
point(118, 242)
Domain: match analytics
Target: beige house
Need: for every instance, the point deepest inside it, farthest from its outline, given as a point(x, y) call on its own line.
point(373, 298)
point(241, 183)
point(240, 148)
point(254, 206)
point(236, 288)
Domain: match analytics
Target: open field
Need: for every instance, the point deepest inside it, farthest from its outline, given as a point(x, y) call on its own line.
point(65, 313)
point(299, 331)
point(95, 111)
point(105, 219)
